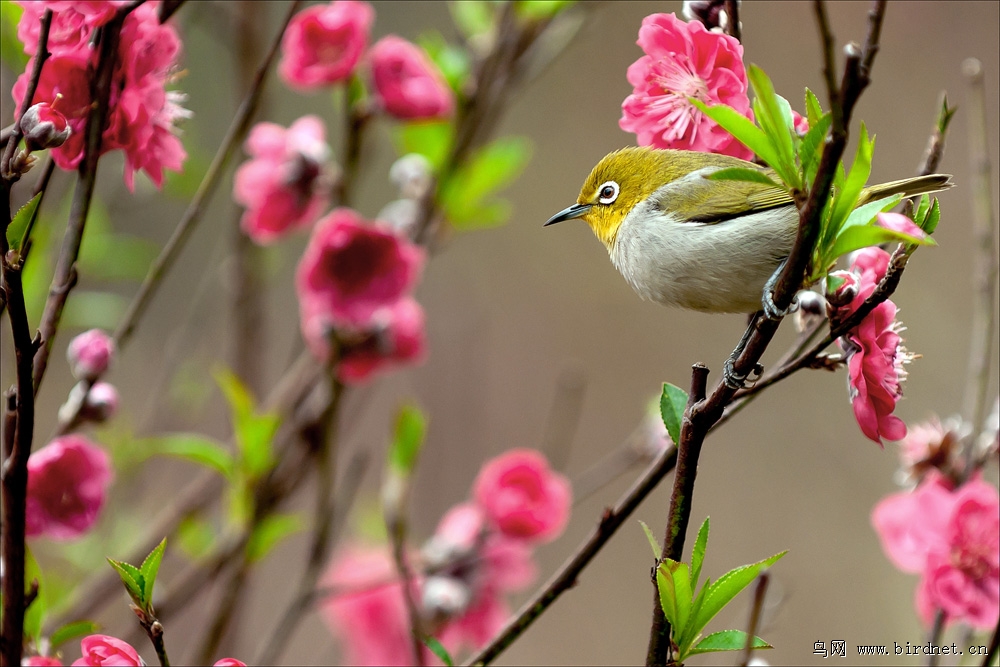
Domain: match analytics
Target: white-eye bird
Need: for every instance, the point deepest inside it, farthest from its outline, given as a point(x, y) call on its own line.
point(684, 240)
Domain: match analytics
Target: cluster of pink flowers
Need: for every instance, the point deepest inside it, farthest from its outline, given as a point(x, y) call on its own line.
point(355, 281)
point(282, 186)
point(875, 354)
point(684, 60)
point(951, 537)
point(141, 114)
point(480, 552)
point(325, 44)
point(68, 481)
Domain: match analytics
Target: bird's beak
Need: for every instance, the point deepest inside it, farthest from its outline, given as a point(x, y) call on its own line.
point(574, 211)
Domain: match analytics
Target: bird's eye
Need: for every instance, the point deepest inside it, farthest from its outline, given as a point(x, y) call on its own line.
point(608, 192)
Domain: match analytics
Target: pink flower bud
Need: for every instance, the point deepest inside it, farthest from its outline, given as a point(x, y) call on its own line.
point(90, 354)
point(324, 43)
point(100, 650)
point(101, 403)
point(406, 82)
point(68, 481)
point(229, 662)
point(898, 222)
point(44, 127)
point(522, 496)
point(841, 288)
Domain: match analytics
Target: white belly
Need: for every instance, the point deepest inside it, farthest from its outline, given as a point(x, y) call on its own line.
point(719, 267)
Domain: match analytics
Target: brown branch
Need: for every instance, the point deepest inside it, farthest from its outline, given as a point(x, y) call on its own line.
point(756, 611)
point(41, 55)
point(733, 19)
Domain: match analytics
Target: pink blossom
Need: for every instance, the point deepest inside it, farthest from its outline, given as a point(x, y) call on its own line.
point(368, 613)
point(69, 30)
point(282, 185)
point(101, 650)
point(229, 662)
point(101, 403)
point(324, 43)
point(407, 84)
point(41, 661)
point(68, 481)
point(682, 61)
point(89, 354)
point(953, 539)
point(351, 270)
point(522, 496)
point(898, 222)
point(800, 122)
point(141, 114)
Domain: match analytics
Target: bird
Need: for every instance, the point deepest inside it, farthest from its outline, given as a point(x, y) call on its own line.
point(681, 239)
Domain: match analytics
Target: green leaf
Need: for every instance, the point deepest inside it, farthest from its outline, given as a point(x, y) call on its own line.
point(452, 61)
point(743, 129)
point(149, 569)
point(930, 223)
point(728, 586)
point(774, 116)
point(855, 238)
point(132, 578)
point(673, 580)
point(657, 550)
point(923, 206)
point(115, 256)
point(71, 631)
point(814, 111)
point(945, 115)
point(254, 432)
point(191, 447)
point(194, 536)
point(811, 148)
point(438, 649)
point(408, 438)
point(864, 215)
point(432, 139)
point(34, 615)
point(19, 225)
point(698, 553)
point(270, 532)
point(726, 640)
point(742, 174)
point(846, 198)
point(673, 401)
point(464, 197)
point(472, 17)
point(667, 591)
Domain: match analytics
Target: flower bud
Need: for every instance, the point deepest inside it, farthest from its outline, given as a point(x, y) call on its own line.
point(445, 597)
point(412, 175)
point(101, 403)
point(44, 127)
point(841, 288)
point(90, 354)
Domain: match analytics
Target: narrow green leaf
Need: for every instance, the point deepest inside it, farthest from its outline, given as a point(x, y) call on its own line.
point(774, 116)
point(682, 630)
point(945, 115)
point(698, 553)
point(847, 198)
point(465, 197)
point(132, 579)
point(256, 438)
point(855, 238)
point(149, 569)
point(726, 640)
point(743, 129)
point(408, 438)
point(270, 532)
point(933, 217)
point(453, 62)
point(472, 17)
point(195, 537)
point(728, 586)
point(536, 10)
point(811, 148)
point(864, 215)
point(71, 631)
point(237, 395)
point(19, 225)
point(668, 595)
point(814, 111)
point(34, 615)
point(673, 401)
point(742, 174)
point(657, 550)
point(191, 447)
point(432, 139)
point(438, 649)
point(923, 206)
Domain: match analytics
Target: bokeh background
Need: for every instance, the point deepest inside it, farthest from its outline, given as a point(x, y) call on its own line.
point(521, 319)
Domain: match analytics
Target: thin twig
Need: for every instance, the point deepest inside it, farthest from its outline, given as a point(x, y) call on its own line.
point(991, 652)
point(41, 55)
point(733, 28)
point(934, 636)
point(756, 611)
point(981, 347)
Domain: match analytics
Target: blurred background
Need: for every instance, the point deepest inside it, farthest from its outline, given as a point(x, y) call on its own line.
point(530, 327)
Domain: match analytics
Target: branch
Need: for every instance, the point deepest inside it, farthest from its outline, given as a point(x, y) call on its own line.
point(14, 138)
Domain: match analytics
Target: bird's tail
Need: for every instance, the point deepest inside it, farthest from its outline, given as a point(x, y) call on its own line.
point(908, 187)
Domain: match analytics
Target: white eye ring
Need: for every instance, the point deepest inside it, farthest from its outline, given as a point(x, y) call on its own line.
point(607, 198)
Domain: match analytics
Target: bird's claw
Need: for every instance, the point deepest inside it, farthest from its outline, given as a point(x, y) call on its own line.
point(737, 381)
point(771, 311)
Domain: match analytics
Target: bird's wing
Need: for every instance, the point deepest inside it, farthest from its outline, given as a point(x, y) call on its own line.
point(695, 198)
